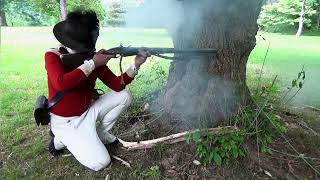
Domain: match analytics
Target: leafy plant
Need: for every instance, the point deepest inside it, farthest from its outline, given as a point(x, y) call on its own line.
point(258, 123)
point(296, 84)
point(153, 172)
point(217, 148)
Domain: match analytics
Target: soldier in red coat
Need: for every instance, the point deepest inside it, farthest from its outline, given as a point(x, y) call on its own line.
point(73, 118)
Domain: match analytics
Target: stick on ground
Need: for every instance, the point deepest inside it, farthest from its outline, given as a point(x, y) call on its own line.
point(171, 139)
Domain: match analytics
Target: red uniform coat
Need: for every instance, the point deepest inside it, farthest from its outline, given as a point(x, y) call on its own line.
point(77, 85)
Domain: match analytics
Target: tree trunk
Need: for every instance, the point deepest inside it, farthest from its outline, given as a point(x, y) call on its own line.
point(63, 9)
point(3, 19)
point(318, 15)
point(203, 91)
point(301, 20)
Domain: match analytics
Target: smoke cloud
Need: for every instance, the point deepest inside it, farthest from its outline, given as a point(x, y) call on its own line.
point(199, 98)
point(166, 14)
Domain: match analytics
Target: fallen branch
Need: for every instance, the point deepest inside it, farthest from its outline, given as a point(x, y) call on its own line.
point(171, 139)
point(121, 160)
point(312, 108)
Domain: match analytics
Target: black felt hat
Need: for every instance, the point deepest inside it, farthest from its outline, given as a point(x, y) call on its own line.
point(79, 31)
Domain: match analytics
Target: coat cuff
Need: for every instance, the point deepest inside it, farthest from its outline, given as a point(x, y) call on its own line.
point(87, 67)
point(132, 71)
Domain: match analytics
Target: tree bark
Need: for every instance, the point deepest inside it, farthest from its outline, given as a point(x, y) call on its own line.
point(301, 20)
point(63, 9)
point(3, 18)
point(204, 91)
point(318, 15)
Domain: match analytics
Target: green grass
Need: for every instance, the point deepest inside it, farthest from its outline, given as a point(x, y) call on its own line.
point(287, 55)
point(23, 78)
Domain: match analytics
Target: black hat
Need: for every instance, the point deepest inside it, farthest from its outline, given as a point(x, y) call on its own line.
point(79, 31)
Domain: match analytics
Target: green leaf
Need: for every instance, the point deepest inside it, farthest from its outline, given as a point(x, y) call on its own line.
point(196, 136)
point(235, 152)
point(211, 156)
point(300, 85)
point(217, 159)
point(294, 83)
point(187, 138)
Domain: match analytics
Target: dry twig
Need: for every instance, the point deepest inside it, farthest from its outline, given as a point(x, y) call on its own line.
point(171, 139)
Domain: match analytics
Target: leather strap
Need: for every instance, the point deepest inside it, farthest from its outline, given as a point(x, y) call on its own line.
point(57, 97)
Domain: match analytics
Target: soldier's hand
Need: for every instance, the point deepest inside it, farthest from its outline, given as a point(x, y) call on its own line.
point(141, 57)
point(101, 59)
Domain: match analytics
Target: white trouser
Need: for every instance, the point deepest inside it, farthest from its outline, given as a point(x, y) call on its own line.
point(79, 135)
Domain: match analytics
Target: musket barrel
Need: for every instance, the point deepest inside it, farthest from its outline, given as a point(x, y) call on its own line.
point(188, 51)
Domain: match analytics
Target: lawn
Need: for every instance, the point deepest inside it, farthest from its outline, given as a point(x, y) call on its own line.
point(286, 57)
point(23, 78)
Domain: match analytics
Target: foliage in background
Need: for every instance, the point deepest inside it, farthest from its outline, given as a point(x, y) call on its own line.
point(24, 13)
point(283, 16)
point(116, 14)
point(95, 5)
point(45, 12)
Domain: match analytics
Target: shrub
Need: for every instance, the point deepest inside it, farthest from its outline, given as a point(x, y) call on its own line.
point(284, 15)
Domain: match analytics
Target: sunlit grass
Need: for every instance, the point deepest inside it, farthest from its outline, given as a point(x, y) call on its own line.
point(286, 57)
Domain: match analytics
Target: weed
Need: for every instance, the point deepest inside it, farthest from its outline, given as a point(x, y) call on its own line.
point(160, 150)
point(217, 148)
point(153, 172)
point(296, 84)
point(258, 123)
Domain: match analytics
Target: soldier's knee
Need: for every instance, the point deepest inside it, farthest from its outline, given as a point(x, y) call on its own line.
point(126, 97)
point(100, 163)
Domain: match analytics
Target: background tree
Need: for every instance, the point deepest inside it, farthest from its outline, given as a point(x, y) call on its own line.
point(63, 10)
point(318, 14)
point(301, 19)
point(52, 7)
point(116, 14)
point(95, 5)
point(3, 18)
point(24, 13)
point(285, 15)
point(205, 91)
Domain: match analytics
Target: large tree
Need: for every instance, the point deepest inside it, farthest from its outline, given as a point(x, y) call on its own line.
point(301, 19)
point(63, 10)
point(205, 90)
point(318, 15)
point(3, 19)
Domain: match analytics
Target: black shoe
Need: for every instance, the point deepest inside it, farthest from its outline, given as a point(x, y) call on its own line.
point(53, 151)
point(51, 133)
point(115, 142)
point(113, 147)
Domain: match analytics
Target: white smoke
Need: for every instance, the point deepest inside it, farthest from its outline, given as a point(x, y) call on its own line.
point(156, 14)
point(197, 92)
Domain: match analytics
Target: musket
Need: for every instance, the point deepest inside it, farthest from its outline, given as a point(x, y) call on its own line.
point(72, 61)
